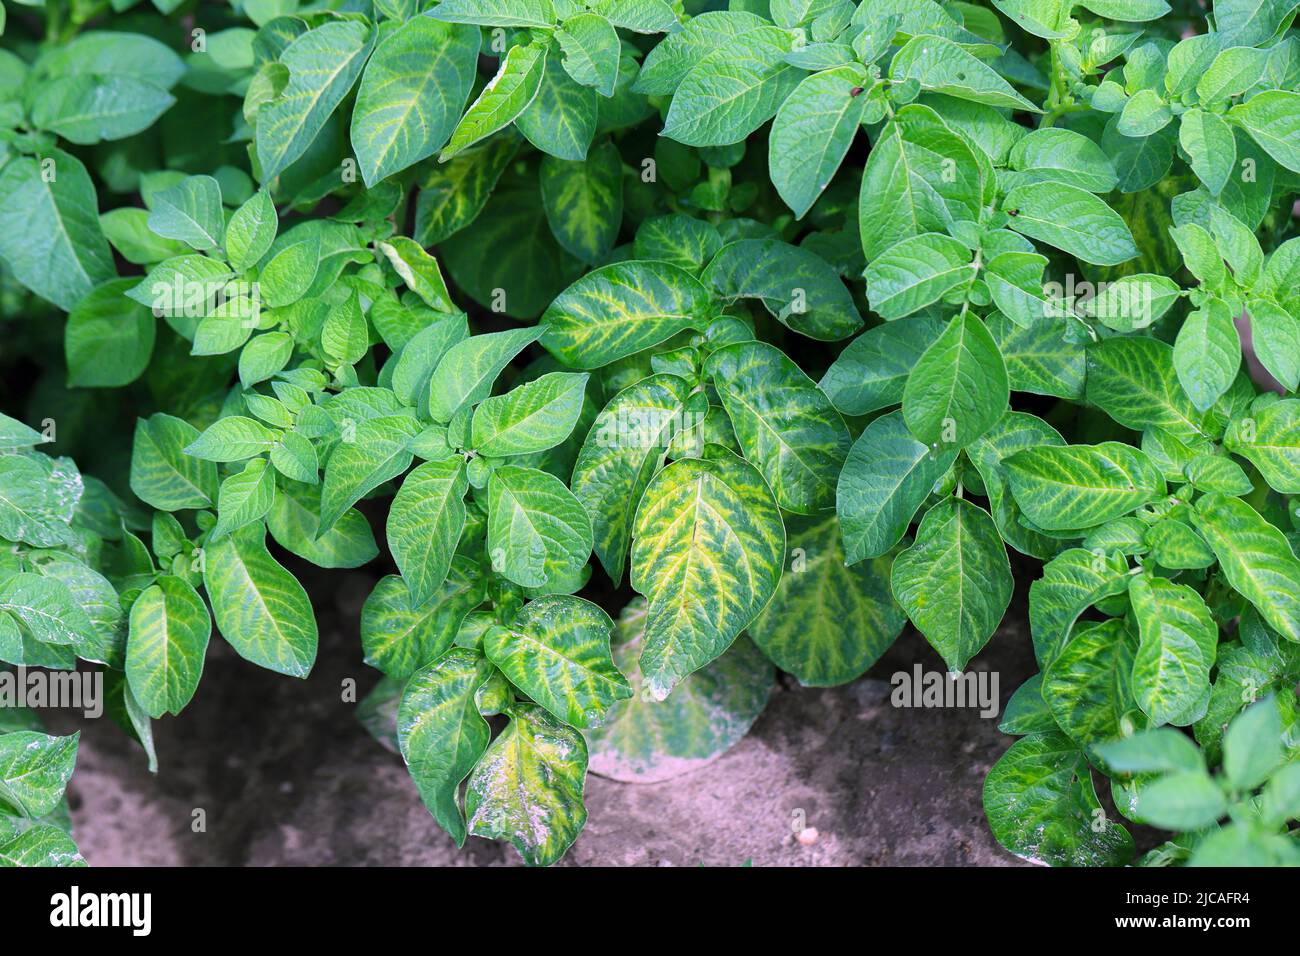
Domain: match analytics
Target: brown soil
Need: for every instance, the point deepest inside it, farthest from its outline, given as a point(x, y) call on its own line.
point(285, 775)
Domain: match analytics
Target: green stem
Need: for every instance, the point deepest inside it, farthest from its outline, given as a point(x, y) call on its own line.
point(53, 20)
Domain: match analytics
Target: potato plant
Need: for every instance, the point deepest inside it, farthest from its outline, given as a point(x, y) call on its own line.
point(648, 348)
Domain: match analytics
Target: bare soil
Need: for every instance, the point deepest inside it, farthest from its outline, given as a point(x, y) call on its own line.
point(284, 775)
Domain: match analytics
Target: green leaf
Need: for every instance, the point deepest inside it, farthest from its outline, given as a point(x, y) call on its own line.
point(261, 609)
point(378, 452)
point(827, 622)
point(1060, 155)
point(1072, 220)
point(89, 108)
point(169, 631)
point(1133, 380)
point(1072, 582)
point(917, 272)
point(441, 734)
point(532, 417)
point(289, 273)
point(871, 372)
point(1088, 687)
point(528, 787)
point(411, 95)
point(1015, 281)
point(294, 522)
point(233, 438)
point(419, 355)
point(622, 308)
point(162, 474)
point(323, 64)
point(707, 552)
point(943, 66)
point(41, 845)
point(1207, 354)
point(49, 228)
point(886, 478)
point(786, 426)
point(109, 339)
point(954, 582)
point(453, 193)
point(1280, 800)
point(502, 100)
point(263, 356)
point(1200, 254)
point(561, 119)
point(128, 232)
point(1174, 544)
point(251, 231)
point(95, 594)
point(1044, 359)
point(1171, 674)
point(498, 13)
point(15, 436)
point(1272, 118)
point(466, 372)
point(1187, 800)
point(1275, 334)
point(673, 57)
point(509, 261)
point(1133, 302)
point(648, 741)
point(1013, 432)
point(37, 500)
point(35, 769)
point(958, 389)
point(812, 132)
point(419, 271)
point(1220, 473)
point(1253, 745)
point(1237, 243)
point(425, 522)
point(1144, 114)
point(1255, 558)
point(1270, 439)
point(1073, 487)
point(1042, 806)
point(1129, 10)
point(190, 212)
point(556, 650)
point(591, 51)
point(1026, 712)
point(114, 52)
point(399, 637)
point(1250, 22)
point(623, 449)
point(184, 289)
point(920, 176)
point(538, 532)
point(796, 285)
point(639, 16)
point(1042, 18)
point(1209, 144)
point(584, 201)
point(244, 497)
point(733, 90)
point(1160, 750)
